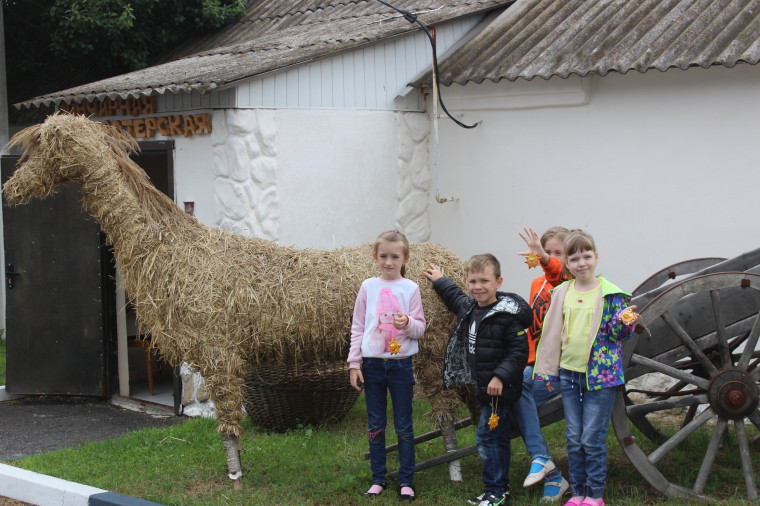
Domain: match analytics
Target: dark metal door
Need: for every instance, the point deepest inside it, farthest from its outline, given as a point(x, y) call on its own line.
point(56, 335)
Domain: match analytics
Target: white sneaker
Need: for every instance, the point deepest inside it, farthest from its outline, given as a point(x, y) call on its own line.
point(495, 500)
point(476, 500)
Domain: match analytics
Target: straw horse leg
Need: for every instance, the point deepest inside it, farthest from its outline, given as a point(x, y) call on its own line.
point(442, 405)
point(449, 434)
point(232, 452)
point(232, 447)
point(226, 391)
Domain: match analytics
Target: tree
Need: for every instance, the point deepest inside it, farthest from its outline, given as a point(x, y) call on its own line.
point(56, 44)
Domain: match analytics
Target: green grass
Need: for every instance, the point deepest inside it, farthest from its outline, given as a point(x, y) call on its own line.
point(185, 464)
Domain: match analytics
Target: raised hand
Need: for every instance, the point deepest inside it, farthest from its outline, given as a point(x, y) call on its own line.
point(533, 241)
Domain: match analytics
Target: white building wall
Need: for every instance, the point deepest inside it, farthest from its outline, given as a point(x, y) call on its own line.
point(218, 99)
point(347, 176)
point(316, 179)
point(659, 167)
point(370, 77)
point(194, 174)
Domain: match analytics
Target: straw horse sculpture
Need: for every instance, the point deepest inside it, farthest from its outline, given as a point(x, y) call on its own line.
point(217, 300)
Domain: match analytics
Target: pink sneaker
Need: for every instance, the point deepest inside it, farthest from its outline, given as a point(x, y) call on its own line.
point(592, 502)
point(575, 501)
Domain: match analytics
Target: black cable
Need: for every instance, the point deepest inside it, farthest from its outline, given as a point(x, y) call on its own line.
point(412, 18)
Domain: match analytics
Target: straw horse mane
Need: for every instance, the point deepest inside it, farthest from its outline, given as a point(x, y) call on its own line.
point(158, 208)
point(219, 301)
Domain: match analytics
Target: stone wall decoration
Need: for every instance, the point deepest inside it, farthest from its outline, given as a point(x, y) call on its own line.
point(245, 172)
point(414, 176)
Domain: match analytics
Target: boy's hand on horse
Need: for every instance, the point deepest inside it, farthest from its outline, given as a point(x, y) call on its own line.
point(433, 272)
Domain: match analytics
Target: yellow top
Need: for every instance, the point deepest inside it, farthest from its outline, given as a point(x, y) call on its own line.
point(577, 311)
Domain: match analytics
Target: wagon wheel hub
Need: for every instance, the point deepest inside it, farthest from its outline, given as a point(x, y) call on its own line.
point(733, 394)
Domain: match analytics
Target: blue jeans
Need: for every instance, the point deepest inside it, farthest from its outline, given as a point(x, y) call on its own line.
point(397, 377)
point(494, 449)
point(587, 415)
point(534, 395)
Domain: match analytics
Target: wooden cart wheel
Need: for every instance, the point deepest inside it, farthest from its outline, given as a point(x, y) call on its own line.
point(673, 271)
point(704, 334)
point(680, 388)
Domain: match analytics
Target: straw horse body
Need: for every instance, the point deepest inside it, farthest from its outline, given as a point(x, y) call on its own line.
point(216, 300)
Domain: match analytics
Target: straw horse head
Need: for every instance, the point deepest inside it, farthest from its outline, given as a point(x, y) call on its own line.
point(219, 301)
point(48, 149)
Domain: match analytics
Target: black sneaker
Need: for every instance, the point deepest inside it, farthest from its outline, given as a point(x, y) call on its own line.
point(495, 500)
point(476, 500)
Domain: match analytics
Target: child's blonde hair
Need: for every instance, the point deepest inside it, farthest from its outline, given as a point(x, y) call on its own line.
point(478, 263)
point(578, 240)
point(393, 236)
point(559, 232)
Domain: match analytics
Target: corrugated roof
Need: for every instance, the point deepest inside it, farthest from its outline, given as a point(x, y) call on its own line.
point(266, 16)
point(273, 35)
point(548, 38)
point(531, 38)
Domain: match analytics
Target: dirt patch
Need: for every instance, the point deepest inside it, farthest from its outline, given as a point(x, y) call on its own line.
point(4, 501)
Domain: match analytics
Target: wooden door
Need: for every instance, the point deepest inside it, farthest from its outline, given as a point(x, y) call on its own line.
point(56, 290)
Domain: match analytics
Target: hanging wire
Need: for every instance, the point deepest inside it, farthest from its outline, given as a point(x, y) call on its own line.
point(412, 18)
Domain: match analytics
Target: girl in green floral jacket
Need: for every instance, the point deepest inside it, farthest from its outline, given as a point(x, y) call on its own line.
point(581, 347)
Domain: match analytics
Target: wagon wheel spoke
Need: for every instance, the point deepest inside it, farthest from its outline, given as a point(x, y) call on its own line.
point(749, 475)
point(686, 339)
point(737, 341)
point(689, 415)
point(681, 435)
point(754, 417)
point(670, 371)
point(640, 421)
point(712, 451)
point(749, 347)
point(645, 426)
point(677, 386)
point(720, 330)
point(650, 407)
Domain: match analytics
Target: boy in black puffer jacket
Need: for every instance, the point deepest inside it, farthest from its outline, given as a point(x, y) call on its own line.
point(487, 348)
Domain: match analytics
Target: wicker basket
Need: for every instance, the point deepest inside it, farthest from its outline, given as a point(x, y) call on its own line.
point(281, 397)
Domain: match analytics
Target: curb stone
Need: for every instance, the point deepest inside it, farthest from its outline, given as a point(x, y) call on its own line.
point(40, 489)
